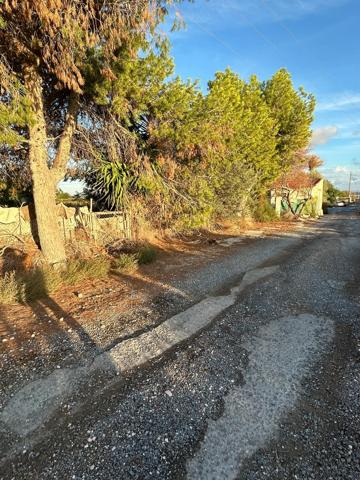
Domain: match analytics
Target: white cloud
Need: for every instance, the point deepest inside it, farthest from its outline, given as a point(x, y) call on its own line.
point(339, 175)
point(339, 169)
point(340, 102)
point(322, 135)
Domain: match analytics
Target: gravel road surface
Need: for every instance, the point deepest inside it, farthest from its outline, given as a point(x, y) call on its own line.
point(269, 389)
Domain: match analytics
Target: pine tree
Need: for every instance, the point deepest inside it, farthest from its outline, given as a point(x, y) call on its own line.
point(58, 58)
point(241, 143)
point(293, 113)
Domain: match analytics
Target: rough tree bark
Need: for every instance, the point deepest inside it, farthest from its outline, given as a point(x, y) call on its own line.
point(45, 177)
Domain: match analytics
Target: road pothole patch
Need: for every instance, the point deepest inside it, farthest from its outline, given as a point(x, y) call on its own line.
point(281, 354)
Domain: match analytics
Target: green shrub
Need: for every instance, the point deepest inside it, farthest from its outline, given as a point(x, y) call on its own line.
point(12, 290)
point(40, 282)
point(43, 281)
point(264, 212)
point(126, 262)
point(146, 254)
point(310, 208)
point(81, 269)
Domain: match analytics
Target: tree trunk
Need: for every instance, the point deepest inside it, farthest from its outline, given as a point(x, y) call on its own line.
point(44, 182)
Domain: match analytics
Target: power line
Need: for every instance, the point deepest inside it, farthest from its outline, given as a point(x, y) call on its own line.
point(210, 33)
point(301, 4)
point(220, 40)
point(282, 24)
point(259, 32)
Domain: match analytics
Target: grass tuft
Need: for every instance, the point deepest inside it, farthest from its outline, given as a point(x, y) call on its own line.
point(80, 269)
point(12, 290)
point(126, 262)
point(146, 255)
point(43, 281)
point(40, 282)
point(129, 261)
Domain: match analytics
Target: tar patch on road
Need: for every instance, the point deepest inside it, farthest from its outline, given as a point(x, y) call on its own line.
point(281, 354)
point(320, 439)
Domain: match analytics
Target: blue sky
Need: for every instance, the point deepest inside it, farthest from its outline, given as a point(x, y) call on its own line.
point(316, 40)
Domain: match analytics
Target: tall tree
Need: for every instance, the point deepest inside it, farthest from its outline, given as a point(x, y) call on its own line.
point(56, 56)
point(240, 139)
point(331, 193)
point(292, 110)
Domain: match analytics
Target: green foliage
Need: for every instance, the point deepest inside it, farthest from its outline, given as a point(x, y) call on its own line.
point(211, 155)
point(174, 119)
point(331, 192)
point(78, 270)
point(14, 110)
point(190, 157)
point(114, 180)
point(126, 262)
point(12, 290)
point(264, 211)
point(293, 113)
point(238, 143)
point(140, 83)
point(146, 254)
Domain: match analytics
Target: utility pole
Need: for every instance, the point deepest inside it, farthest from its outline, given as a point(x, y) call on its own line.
point(350, 178)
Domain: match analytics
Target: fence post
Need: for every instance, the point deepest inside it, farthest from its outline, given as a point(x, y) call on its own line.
point(64, 228)
point(20, 228)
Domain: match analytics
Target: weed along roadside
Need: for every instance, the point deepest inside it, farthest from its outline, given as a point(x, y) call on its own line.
point(27, 285)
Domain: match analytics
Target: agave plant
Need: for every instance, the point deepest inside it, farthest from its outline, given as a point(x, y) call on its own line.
point(114, 179)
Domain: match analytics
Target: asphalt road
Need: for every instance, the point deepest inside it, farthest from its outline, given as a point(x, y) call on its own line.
point(270, 389)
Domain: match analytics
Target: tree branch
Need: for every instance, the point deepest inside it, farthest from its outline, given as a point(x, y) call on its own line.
point(63, 152)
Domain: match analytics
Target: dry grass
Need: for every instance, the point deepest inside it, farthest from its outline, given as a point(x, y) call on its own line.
point(78, 270)
point(126, 262)
point(39, 282)
point(12, 290)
